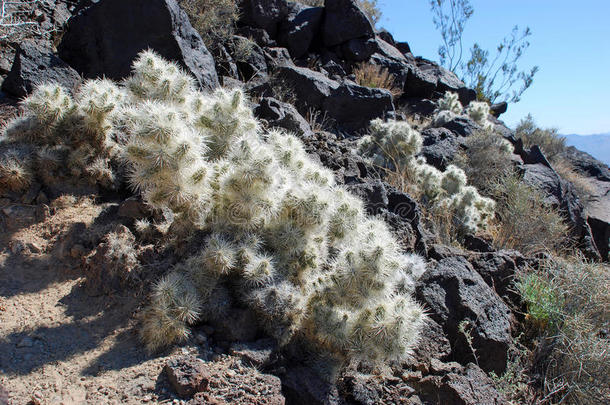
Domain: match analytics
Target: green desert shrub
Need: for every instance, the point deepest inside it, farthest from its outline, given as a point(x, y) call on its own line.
point(568, 301)
point(551, 144)
point(395, 144)
point(59, 136)
point(282, 238)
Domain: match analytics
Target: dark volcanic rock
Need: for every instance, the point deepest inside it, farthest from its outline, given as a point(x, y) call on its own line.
point(498, 108)
point(432, 344)
point(353, 106)
point(283, 115)
point(231, 382)
point(311, 88)
point(367, 389)
point(256, 354)
point(188, 375)
point(277, 56)
point(538, 173)
point(439, 146)
point(498, 269)
point(302, 386)
point(36, 64)
point(359, 49)
point(298, 31)
point(463, 126)
point(104, 39)
point(403, 47)
point(429, 80)
point(237, 325)
point(265, 14)
point(456, 294)
point(586, 163)
point(250, 66)
point(344, 20)
point(469, 386)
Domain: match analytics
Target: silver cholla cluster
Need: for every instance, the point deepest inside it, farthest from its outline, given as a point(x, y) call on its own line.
point(394, 144)
point(59, 136)
point(449, 107)
point(298, 249)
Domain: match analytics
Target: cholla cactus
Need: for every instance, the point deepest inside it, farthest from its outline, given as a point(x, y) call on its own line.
point(442, 117)
point(298, 245)
point(471, 211)
point(479, 113)
point(282, 237)
point(450, 102)
point(155, 79)
point(15, 169)
point(446, 190)
point(447, 109)
point(75, 137)
point(167, 159)
point(391, 144)
point(175, 305)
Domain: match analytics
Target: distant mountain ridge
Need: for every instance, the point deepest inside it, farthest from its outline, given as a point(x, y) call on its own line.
point(597, 145)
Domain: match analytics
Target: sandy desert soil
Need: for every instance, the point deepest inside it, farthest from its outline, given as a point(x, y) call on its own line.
point(58, 343)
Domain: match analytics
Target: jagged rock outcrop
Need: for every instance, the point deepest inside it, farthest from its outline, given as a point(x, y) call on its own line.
point(104, 39)
point(298, 31)
point(279, 114)
point(351, 106)
point(467, 308)
point(36, 64)
point(597, 205)
point(538, 172)
point(265, 14)
point(343, 21)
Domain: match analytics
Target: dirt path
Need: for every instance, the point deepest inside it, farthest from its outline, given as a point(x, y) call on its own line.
point(58, 344)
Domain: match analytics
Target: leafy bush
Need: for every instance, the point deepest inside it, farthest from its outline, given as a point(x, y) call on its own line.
point(394, 145)
point(377, 77)
point(213, 19)
point(551, 144)
point(568, 300)
point(282, 238)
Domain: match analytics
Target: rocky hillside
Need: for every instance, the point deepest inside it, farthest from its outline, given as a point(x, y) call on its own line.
point(85, 240)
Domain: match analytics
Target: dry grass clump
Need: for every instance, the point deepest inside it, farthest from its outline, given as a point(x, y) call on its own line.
point(547, 139)
point(568, 301)
point(488, 158)
point(524, 221)
point(213, 19)
point(567, 172)
point(369, 75)
point(16, 19)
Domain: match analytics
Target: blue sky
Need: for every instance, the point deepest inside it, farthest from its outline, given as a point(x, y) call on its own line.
point(570, 43)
